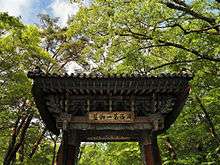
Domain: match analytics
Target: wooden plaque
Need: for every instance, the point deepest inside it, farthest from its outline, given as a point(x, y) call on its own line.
point(111, 117)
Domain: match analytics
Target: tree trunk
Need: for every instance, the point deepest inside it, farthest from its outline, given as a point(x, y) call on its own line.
point(21, 152)
point(13, 150)
point(37, 143)
point(54, 150)
point(13, 138)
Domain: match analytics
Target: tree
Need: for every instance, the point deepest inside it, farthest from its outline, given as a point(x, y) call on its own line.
point(150, 37)
point(110, 153)
point(120, 36)
point(24, 47)
point(19, 52)
point(62, 49)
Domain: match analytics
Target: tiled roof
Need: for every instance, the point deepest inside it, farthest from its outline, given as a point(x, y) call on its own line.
point(174, 85)
point(36, 74)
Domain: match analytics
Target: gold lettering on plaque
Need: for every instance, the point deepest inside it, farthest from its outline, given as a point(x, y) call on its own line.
point(111, 117)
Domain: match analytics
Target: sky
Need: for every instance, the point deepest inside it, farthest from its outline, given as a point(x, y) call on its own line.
point(29, 9)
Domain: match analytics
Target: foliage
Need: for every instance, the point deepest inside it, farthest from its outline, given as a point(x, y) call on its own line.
point(20, 51)
point(151, 37)
point(116, 36)
point(110, 153)
point(22, 48)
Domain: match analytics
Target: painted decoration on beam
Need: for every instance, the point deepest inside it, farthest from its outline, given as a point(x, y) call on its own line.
point(111, 117)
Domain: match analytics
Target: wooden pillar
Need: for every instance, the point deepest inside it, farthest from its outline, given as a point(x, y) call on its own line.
point(59, 156)
point(150, 151)
point(67, 153)
point(71, 155)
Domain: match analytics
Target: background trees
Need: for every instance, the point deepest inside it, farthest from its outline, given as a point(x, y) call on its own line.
point(20, 51)
point(120, 36)
point(151, 37)
point(22, 48)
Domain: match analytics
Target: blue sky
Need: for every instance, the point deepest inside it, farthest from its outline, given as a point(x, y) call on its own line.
point(28, 9)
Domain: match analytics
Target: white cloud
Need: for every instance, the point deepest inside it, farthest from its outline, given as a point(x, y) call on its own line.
point(63, 9)
point(16, 7)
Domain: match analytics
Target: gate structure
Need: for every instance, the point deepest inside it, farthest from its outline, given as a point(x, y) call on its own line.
point(98, 108)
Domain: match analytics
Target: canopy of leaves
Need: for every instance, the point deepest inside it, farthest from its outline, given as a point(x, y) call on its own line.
point(154, 36)
point(20, 51)
point(115, 36)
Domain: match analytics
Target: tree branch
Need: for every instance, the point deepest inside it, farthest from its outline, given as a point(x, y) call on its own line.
point(172, 63)
point(187, 9)
point(168, 43)
point(193, 51)
point(208, 120)
point(171, 148)
point(203, 30)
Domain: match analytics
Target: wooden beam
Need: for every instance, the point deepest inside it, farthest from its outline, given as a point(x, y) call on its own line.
point(84, 119)
point(114, 136)
point(111, 127)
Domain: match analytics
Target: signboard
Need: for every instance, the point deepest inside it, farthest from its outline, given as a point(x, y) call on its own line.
point(111, 117)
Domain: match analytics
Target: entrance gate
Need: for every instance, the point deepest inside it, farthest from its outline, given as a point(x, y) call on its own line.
point(97, 108)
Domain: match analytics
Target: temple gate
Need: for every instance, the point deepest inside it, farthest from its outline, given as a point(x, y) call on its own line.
point(98, 108)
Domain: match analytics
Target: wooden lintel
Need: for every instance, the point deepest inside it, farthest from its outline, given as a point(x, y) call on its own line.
point(110, 127)
point(84, 119)
point(139, 123)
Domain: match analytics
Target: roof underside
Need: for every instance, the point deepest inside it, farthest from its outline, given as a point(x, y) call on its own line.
point(94, 86)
